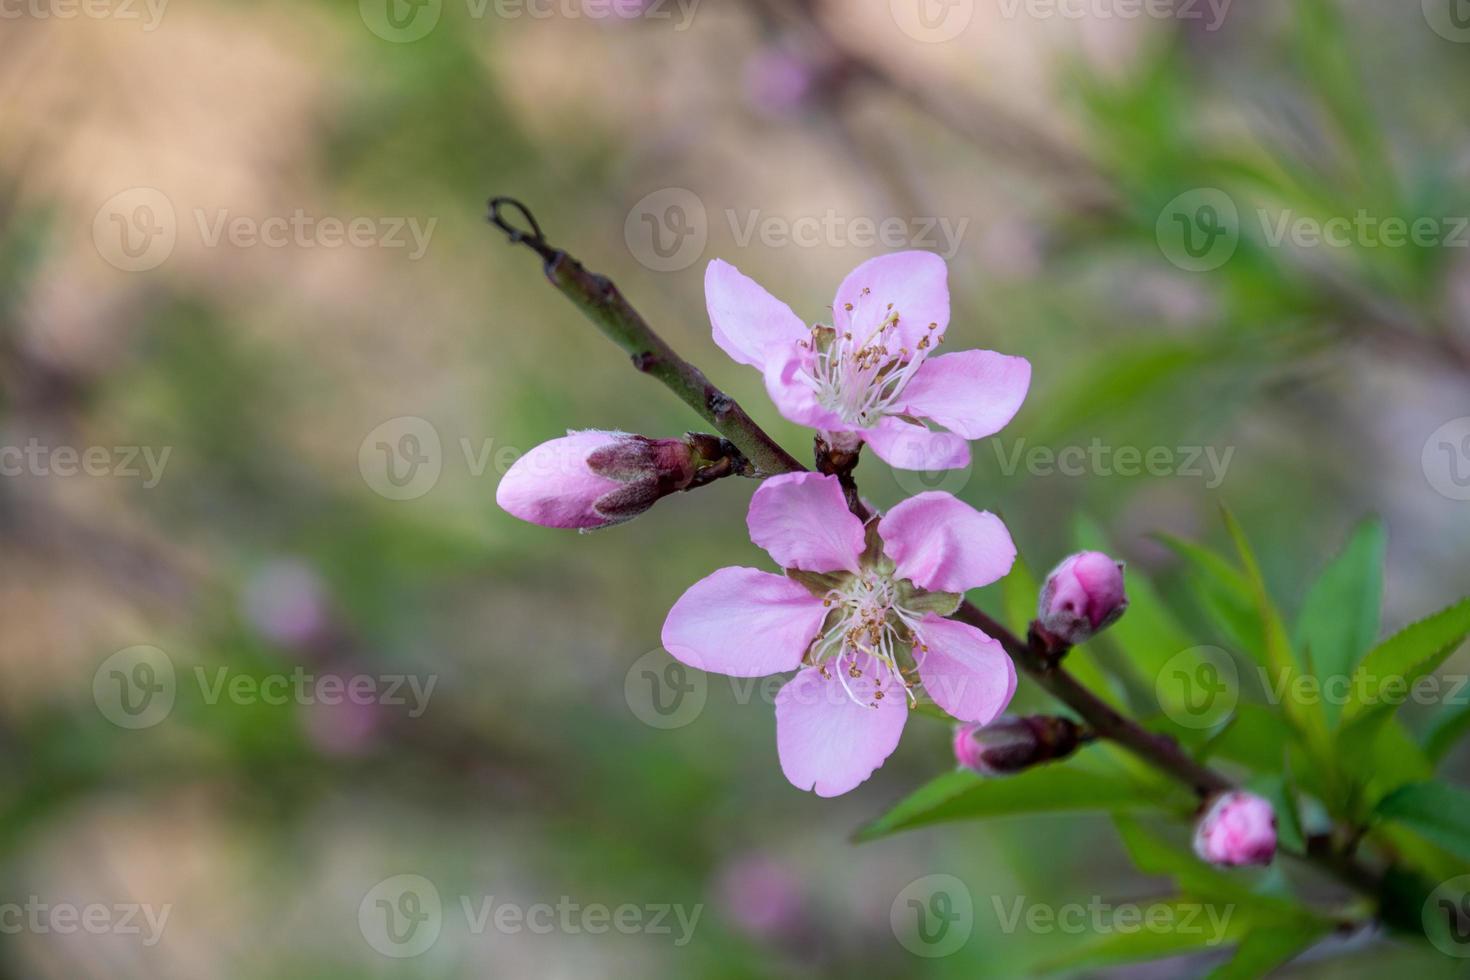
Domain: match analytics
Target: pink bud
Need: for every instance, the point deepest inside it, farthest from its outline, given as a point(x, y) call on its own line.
point(1237, 828)
point(593, 479)
point(1082, 596)
point(1011, 744)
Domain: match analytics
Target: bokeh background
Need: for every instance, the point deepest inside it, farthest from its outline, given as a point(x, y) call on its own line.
point(328, 415)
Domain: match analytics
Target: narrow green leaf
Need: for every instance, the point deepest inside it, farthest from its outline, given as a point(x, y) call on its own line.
point(1435, 810)
point(1446, 728)
point(1340, 617)
point(1266, 947)
point(1256, 737)
point(1224, 593)
point(1382, 680)
point(962, 795)
point(1166, 928)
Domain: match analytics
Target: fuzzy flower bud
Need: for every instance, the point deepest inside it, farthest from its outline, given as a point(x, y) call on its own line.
point(1011, 744)
point(593, 479)
point(1237, 828)
point(1082, 596)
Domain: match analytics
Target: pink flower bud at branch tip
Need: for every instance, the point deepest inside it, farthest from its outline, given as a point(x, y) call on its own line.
point(1237, 828)
point(594, 479)
point(1082, 596)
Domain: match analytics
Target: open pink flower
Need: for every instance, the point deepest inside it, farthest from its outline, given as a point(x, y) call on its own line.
point(861, 611)
point(869, 376)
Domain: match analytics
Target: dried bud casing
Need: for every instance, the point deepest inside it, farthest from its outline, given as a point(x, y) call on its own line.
point(1013, 744)
point(1082, 596)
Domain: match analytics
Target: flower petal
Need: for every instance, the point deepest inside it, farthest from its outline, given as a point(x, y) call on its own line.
point(802, 520)
point(743, 622)
point(748, 323)
point(964, 671)
point(971, 392)
point(829, 742)
point(916, 283)
point(794, 398)
point(907, 446)
point(552, 486)
point(944, 545)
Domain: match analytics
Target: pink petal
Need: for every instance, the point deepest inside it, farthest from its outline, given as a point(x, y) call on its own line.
point(827, 741)
point(803, 521)
point(944, 545)
point(743, 622)
point(916, 283)
point(794, 398)
point(906, 446)
point(966, 672)
point(972, 392)
point(749, 323)
point(552, 486)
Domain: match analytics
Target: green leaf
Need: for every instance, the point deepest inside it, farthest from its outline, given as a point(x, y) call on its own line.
point(1402, 659)
point(1340, 617)
point(1446, 728)
point(1435, 810)
point(1224, 593)
point(962, 795)
point(1189, 927)
point(1256, 737)
point(1154, 855)
point(1266, 947)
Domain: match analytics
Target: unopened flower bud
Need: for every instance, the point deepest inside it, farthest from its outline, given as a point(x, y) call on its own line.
point(1237, 828)
point(1011, 744)
point(1082, 596)
point(593, 479)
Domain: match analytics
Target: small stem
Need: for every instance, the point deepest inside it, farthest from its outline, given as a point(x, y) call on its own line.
point(602, 303)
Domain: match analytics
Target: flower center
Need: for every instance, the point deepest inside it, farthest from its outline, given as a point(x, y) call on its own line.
point(868, 620)
point(861, 379)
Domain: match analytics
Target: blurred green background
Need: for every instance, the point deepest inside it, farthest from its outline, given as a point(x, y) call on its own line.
point(1056, 154)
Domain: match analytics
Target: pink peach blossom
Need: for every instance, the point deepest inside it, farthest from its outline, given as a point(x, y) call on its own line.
point(860, 615)
point(869, 376)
